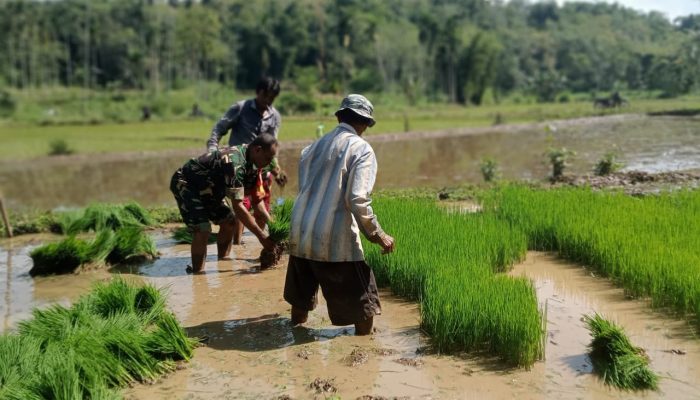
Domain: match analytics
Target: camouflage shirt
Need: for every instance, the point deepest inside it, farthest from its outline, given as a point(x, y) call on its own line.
point(220, 173)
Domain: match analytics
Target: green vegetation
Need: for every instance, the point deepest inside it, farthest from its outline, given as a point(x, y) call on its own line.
point(116, 335)
point(646, 245)
point(608, 164)
point(615, 359)
point(59, 147)
point(489, 169)
point(279, 226)
point(127, 244)
point(183, 235)
point(463, 51)
point(450, 264)
point(559, 159)
point(93, 218)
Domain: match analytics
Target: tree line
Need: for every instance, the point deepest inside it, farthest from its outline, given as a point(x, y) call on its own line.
point(451, 50)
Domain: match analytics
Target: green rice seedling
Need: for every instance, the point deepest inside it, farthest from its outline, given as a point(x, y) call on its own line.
point(59, 258)
point(184, 235)
point(131, 244)
point(451, 266)
point(19, 356)
point(100, 216)
point(118, 296)
point(615, 359)
point(139, 213)
point(646, 245)
point(279, 226)
point(169, 340)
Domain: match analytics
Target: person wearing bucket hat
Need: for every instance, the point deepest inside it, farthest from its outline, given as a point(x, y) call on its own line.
point(331, 210)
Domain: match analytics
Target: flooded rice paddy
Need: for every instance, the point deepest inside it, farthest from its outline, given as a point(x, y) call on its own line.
point(434, 159)
point(251, 352)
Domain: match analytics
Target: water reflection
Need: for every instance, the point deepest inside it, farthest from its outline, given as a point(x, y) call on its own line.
point(436, 160)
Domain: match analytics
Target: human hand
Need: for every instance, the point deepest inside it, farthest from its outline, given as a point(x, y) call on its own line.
point(281, 178)
point(268, 243)
point(387, 243)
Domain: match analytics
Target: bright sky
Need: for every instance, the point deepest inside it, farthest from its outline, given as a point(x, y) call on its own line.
point(672, 8)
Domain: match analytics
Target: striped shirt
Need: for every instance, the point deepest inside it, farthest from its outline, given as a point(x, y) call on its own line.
point(336, 176)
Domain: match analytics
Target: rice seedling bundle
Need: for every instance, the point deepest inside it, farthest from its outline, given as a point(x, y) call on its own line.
point(615, 359)
point(282, 216)
point(450, 263)
point(650, 246)
point(100, 216)
point(127, 244)
point(117, 334)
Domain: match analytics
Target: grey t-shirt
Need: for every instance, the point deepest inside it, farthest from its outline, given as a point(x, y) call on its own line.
point(246, 123)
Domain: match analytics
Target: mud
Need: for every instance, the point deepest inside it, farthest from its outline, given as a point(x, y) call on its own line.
point(636, 183)
point(250, 351)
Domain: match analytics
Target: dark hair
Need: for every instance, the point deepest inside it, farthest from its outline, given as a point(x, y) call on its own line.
point(268, 85)
point(351, 117)
point(264, 140)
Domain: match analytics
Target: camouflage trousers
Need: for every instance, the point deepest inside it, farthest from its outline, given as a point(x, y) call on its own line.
point(198, 210)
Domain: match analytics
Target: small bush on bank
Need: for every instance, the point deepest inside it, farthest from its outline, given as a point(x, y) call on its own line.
point(59, 147)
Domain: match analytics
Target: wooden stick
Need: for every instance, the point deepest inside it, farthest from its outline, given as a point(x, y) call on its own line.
point(8, 227)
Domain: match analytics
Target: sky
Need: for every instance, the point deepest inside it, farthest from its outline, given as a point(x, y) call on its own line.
point(672, 8)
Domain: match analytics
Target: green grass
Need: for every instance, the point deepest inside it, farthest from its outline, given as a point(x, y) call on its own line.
point(25, 139)
point(650, 246)
point(450, 263)
point(615, 359)
point(118, 334)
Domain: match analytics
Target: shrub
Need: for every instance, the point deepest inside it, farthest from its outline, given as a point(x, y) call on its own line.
point(608, 164)
point(290, 103)
point(489, 169)
point(559, 160)
point(7, 104)
point(58, 147)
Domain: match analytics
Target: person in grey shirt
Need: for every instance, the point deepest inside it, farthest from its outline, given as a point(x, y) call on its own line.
point(246, 119)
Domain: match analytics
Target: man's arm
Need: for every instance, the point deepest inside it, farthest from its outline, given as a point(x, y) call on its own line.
point(226, 122)
point(249, 222)
point(360, 183)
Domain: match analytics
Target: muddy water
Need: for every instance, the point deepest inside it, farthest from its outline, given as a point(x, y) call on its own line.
point(432, 159)
point(251, 352)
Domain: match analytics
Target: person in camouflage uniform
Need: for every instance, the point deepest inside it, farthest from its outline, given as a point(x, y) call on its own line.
point(246, 120)
point(201, 185)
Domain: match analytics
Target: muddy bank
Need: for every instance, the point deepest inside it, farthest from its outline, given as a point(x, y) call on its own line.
point(635, 182)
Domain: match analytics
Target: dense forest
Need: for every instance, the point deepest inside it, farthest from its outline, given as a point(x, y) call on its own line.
point(449, 50)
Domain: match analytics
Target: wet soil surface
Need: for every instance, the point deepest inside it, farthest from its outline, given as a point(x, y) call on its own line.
point(635, 182)
point(250, 351)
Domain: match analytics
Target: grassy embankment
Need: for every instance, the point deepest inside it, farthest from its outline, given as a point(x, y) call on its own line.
point(26, 137)
point(116, 335)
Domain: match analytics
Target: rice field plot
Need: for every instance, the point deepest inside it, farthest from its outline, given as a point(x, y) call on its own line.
point(450, 264)
point(118, 334)
point(650, 246)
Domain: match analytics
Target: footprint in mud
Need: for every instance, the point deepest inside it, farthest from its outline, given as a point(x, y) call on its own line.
point(384, 352)
point(323, 385)
point(304, 353)
point(411, 362)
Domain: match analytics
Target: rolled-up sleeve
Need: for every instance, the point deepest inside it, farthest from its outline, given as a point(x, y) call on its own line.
point(361, 177)
point(223, 125)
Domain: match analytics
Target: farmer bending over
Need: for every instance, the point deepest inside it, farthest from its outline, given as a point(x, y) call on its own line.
point(201, 185)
